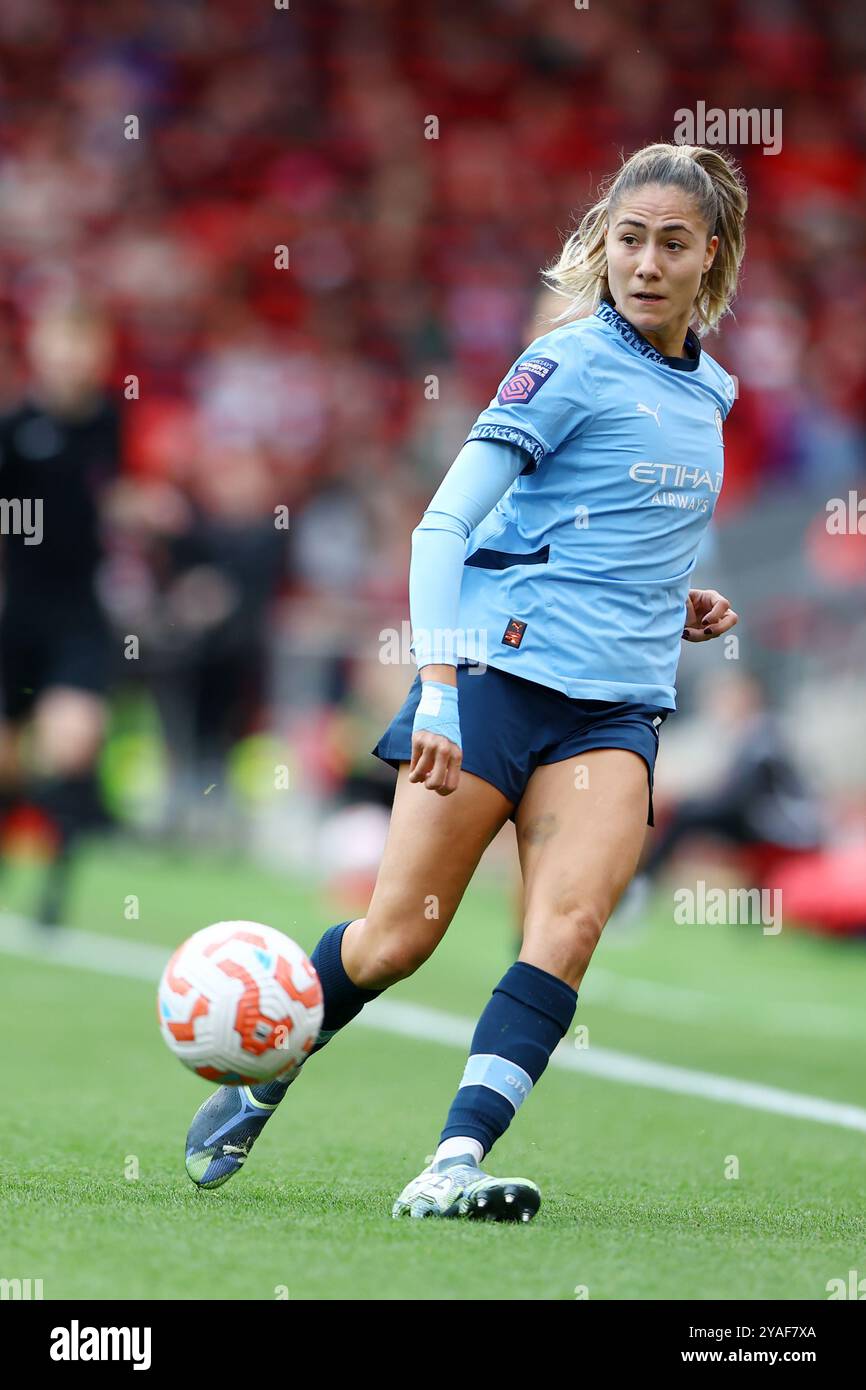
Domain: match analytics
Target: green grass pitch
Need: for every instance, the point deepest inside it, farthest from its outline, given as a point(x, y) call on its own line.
point(94, 1199)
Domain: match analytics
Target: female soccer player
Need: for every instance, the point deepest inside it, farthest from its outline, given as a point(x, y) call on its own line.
point(549, 592)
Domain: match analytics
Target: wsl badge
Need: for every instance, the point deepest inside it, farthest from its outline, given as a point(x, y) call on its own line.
point(528, 377)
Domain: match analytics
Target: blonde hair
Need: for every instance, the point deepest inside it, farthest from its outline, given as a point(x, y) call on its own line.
point(712, 179)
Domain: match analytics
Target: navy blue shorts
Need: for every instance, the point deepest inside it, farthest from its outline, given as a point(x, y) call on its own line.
point(510, 726)
point(60, 644)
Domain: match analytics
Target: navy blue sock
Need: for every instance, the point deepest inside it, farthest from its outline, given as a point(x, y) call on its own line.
point(343, 1001)
point(528, 1014)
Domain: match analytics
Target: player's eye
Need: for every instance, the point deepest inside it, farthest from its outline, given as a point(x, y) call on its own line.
point(629, 238)
point(675, 245)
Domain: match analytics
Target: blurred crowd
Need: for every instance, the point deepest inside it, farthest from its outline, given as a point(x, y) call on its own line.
point(409, 256)
point(309, 241)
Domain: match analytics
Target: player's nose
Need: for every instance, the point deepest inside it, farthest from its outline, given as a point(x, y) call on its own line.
point(648, 264)
point(647, 267)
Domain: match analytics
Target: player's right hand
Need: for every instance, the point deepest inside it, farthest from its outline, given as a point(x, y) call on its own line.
point(435, 762)
point(437, 748)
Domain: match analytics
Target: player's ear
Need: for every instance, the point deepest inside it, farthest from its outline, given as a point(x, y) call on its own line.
point(710, 256)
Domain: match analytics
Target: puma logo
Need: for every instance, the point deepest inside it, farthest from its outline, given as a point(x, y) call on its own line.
point(645, 410)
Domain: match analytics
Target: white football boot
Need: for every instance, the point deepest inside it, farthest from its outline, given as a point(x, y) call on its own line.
point(458, 1187)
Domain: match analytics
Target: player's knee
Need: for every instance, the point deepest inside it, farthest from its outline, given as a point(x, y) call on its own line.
point(68, 734)
point(582, 926)
point(564, 942)
point(384, 957)
point(392, 963)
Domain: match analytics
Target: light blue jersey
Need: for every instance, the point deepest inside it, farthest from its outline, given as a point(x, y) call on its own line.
point(578, 578)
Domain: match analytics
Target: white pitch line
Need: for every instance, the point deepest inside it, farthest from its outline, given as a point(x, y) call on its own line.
point(679, 1004)
point(139, 960)
point(416, 1021)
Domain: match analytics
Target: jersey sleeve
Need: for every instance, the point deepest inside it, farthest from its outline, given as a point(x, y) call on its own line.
point(481, 474)
point(730, 389)
point(546, 396)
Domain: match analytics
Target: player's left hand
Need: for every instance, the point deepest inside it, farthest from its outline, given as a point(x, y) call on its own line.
point(708, 615)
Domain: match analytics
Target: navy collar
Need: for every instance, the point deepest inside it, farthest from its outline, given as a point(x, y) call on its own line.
point(608, 314)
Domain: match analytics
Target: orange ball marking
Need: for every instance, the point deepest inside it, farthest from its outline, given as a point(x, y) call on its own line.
point(185, 1032)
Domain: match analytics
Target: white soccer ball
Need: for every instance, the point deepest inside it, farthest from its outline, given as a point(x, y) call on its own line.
point(240, 1003)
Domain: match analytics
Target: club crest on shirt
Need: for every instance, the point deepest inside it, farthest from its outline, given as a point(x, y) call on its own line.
point(528, 377)
point(513, 634)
